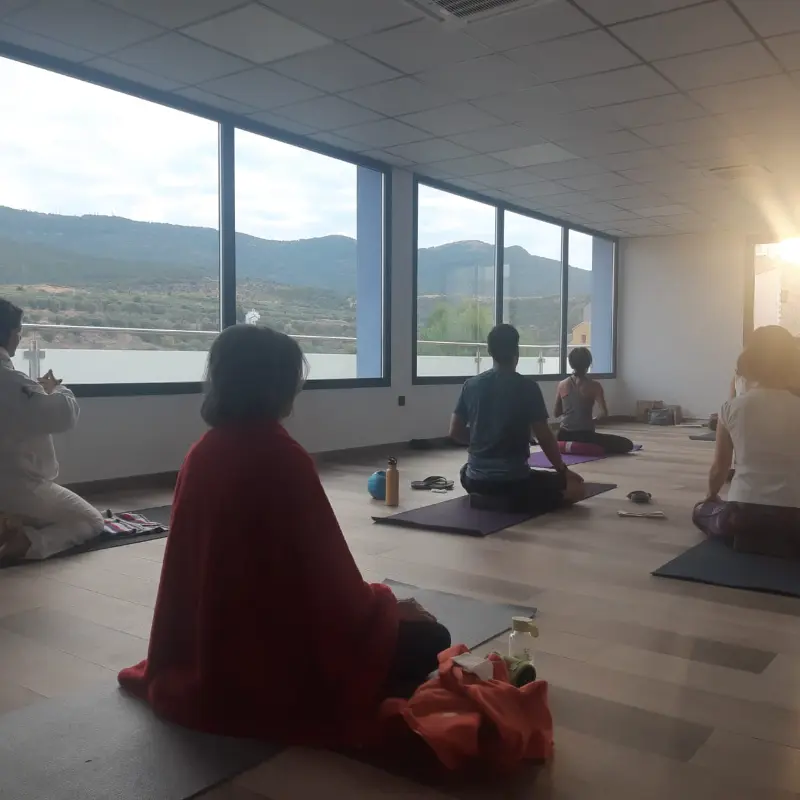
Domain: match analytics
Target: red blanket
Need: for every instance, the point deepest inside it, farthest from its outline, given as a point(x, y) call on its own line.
point(263, 625)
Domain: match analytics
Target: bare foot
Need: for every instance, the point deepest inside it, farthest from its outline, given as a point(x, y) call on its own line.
point(14, 543)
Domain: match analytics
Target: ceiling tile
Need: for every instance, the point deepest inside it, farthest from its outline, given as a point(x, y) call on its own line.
point(528, 105)
point(723, 65)
point(651, 157)
point(507, 179)
point(539, 189)
point(112, 67)
point(430, 150)
point(84, 24)
point(623, 196)
point(327, 113)
point(645, 199)
point(384, 133)
point(260, 88)
point(687, 30)
point(479, 77)
point(568, 169)
point(667, 108)
point(711, 152)
point(645, 227)
point(389, 158)
point(345, 19)
point(604, 144)
point(565, 199)
point(257, 34)
point(420, 46)
point(662, 211)
point(471, 165)
point(335, 68)
point(787, 49)
point(602, 212)
point(603, 180)
point(181, 59)
point(334, 140)
point(397, 97)
point(687, 130)
point(42, 44)
point(777, 91)
point(217, 101)
point(610, 11)
point(175, 13)
point(503, 137)
point(447, 120)
point(758, 120)
point(276, 121)
point(548, 21)
point(573, 56)
point(655, 175)
point(771, 17)
point(620, 86)
point(546, 153)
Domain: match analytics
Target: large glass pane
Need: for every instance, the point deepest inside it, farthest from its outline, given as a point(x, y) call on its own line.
point(108, 230)
point(455, 283)
point(309, 254)
point(590, 316)
point(532, 291)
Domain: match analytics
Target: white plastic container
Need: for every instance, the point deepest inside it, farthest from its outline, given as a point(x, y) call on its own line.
point(520, 642)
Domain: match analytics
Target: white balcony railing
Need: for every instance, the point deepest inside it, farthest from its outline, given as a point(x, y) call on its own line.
point(77, 363)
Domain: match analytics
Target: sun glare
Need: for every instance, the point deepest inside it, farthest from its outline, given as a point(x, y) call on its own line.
point(789, 250)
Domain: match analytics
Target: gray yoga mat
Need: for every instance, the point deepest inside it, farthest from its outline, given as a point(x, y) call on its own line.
point(710, 436)
point(108, 746)
point(471, 622)
point(715, 562)
point(456, 515)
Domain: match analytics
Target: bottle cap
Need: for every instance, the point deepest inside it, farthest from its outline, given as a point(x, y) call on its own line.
point(521, 624)
point(392, 462)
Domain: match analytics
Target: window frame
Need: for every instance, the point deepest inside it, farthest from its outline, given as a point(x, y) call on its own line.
point(227, 123)
point(501, 207)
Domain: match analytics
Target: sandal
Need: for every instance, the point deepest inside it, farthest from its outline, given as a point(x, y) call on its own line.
point(433, 483)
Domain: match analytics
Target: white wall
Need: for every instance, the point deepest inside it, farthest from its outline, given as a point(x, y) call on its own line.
point(118, 437)
point(681, 307)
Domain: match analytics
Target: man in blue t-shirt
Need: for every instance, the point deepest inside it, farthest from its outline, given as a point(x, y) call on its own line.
point(496, 414)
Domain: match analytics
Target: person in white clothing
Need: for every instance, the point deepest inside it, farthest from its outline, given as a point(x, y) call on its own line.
point(762, 512)
point(39, 517)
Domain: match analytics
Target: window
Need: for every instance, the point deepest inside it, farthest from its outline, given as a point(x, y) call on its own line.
point(532, 291)
point(776, 285)
point(108, 230)
point(310, 252)
point(590, 307)
point(455, 283)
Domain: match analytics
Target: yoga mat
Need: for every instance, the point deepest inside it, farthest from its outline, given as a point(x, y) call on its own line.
point(471, 622)
point(456, 515)
point(711, 436)
point(107, 745)
point(539, 460)
point(106, 541)
point(717, 563)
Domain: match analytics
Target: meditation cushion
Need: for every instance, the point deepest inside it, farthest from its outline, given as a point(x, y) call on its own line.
point(581, 448)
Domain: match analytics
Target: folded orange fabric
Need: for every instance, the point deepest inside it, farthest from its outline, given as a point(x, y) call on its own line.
point(469, 722)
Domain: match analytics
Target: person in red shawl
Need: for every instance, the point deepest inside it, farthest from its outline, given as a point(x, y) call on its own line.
point(263, 625)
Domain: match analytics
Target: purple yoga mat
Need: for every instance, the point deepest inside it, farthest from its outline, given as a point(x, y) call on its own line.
point(456, 515)
point(540, 461)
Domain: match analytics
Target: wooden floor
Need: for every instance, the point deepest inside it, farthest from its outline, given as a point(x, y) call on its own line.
point(659, 689)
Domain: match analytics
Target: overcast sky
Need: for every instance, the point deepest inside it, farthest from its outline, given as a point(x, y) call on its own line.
point(68, 147)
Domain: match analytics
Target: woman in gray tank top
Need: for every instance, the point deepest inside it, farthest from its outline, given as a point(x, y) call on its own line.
point(577, 397)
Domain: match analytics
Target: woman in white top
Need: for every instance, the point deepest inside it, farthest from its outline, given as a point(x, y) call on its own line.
point(762, 425)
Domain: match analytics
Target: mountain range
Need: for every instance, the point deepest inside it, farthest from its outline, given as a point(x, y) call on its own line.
point(94, 250)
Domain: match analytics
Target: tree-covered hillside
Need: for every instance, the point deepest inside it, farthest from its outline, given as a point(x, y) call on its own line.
point(114, 272)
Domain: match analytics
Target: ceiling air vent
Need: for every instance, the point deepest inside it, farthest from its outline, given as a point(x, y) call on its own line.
point(472, 10)
point(740, 172)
